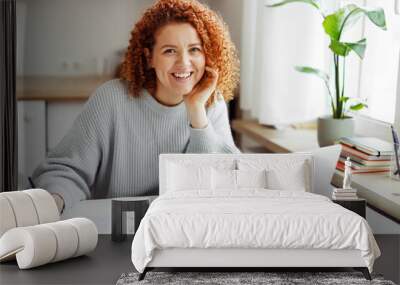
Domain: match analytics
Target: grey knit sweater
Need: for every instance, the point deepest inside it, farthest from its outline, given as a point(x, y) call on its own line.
point(113, 146)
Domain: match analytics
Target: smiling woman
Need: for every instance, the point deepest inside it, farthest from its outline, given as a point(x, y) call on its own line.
point(178, 60)
point(178, 71)
point(200, 26)
point(179, 63)
point(185, 54)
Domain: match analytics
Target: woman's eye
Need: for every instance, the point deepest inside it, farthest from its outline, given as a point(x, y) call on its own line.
point(195, 49)
point(169, 51)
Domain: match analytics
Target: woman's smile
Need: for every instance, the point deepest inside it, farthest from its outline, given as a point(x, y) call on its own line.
point(182, 77)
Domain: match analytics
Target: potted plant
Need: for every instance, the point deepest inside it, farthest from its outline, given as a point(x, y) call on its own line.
point(339, 124)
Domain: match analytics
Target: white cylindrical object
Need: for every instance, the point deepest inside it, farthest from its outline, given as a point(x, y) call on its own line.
point(87, 233)
point(7, 218)
point(23, 207)
point(67, 239)
point(40, 247)
point(37, 245)
point(33, 246)
point(45, 205)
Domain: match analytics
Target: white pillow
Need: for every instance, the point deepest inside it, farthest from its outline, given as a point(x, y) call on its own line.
point(223, 179)
point(229, 179)
point(251, 178)
point(293, 178)
point(183, 177)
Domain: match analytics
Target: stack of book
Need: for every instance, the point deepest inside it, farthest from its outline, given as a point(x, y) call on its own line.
point(344, 194)
point(367, 154)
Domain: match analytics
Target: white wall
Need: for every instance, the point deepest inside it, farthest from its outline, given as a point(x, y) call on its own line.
point(75, 37)
point(85, 37)
point(231, 12)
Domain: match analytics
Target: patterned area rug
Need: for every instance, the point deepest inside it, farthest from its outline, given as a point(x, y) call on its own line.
point(244, 278)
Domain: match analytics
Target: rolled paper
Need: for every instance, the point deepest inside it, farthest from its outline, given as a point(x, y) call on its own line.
point(7, 218)
point(41, 244)
point(26, 208)
point(45, 205)
point(67, 239)
point(32, 246)
point(30, 230)
point(87, 233)
point(23, 208)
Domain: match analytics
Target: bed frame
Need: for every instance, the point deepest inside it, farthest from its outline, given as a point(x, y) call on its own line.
point(241, 259)
point(244, 259)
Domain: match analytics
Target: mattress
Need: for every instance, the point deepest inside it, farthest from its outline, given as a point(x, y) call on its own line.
point(251, 219)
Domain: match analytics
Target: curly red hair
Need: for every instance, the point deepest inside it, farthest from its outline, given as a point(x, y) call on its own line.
point(220, 52)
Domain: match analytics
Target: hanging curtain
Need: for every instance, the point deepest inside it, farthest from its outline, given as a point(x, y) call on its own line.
point(8, 104)
point(274, 40)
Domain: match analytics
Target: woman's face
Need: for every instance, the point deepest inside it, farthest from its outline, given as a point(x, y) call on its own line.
point(178, 59)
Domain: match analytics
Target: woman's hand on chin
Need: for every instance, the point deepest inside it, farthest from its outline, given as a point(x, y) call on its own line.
point(195, 101)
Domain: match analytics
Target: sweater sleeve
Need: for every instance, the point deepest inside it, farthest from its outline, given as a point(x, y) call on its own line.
point(216, 137)
point(70, 168)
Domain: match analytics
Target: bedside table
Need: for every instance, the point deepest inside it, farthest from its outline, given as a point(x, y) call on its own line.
point(138, 205)
point(358, 206)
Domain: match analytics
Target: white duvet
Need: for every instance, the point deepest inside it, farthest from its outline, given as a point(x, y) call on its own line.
point(251, 218)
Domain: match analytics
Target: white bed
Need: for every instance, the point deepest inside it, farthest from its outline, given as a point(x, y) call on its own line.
point(250, 227)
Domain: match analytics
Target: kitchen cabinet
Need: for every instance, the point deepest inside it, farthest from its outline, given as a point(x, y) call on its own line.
point(47, 108)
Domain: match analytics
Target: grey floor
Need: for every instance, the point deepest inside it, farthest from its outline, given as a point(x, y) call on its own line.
point(389, 262)
point(103, 266)
point(110, 260)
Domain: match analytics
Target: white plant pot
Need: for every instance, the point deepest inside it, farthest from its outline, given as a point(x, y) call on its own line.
point(330, 130)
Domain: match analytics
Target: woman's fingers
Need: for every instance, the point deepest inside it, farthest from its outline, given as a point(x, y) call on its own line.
point(213, 75)
point(205, 88)
point(212, 71)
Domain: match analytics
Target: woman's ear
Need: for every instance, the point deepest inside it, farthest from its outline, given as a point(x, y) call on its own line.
point(147, 54)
